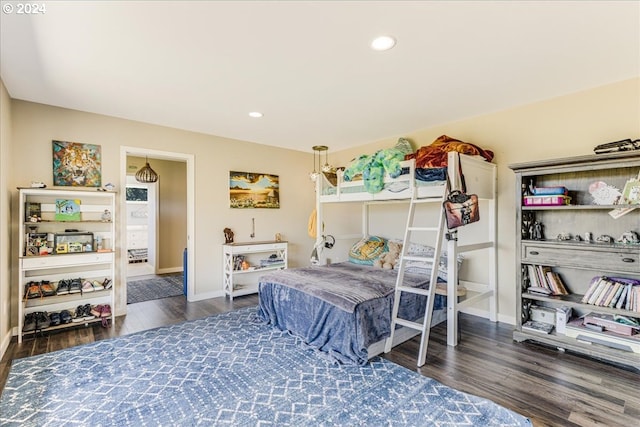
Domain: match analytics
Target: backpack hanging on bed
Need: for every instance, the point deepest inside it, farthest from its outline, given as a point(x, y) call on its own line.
point(459, 207)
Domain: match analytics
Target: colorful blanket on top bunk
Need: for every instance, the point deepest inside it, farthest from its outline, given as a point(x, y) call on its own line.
point(431, 161)
point(373, 167)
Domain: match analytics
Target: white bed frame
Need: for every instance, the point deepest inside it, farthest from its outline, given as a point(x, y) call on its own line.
point(481, 179)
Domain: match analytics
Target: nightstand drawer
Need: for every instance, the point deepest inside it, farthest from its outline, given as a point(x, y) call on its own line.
point(606, 258)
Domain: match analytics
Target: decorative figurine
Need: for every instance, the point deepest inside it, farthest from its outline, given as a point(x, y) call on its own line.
point(587, 237)
point(228, 235)
point(577, 238)
point(538, 233)
point(564, 236)
point(604, 239)
point(527, 221)
point(106, 215)
point(630, 237)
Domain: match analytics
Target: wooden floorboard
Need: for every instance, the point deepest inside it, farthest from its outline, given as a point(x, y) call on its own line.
point(551, 387)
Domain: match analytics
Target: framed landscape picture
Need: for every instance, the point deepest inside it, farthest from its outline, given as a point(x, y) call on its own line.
point(76, 164)
point(248, 190)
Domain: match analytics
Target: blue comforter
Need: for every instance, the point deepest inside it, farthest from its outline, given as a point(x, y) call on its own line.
point(338, 309)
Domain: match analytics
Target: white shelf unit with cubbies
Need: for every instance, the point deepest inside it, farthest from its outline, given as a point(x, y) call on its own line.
point(239, 279)
point(40, 260)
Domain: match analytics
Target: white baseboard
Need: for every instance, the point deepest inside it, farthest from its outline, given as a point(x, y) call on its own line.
point(170, 270)
point(205, 295)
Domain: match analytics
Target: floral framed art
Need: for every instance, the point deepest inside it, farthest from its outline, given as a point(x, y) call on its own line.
point(76, 164)
point(248, 190)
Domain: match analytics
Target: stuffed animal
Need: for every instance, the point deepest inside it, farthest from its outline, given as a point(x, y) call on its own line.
point(388, 259)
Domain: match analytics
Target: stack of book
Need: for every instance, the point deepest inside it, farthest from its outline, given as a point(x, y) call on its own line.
point(548, 196)
point(613, 292)
point(543, 280)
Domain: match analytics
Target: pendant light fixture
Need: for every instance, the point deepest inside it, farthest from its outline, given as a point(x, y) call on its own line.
point(317, 153)
point(327, 167)
point(146, 174)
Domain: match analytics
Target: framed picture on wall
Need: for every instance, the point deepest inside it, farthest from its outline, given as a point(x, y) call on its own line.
point(76, 164)
point(249, 190)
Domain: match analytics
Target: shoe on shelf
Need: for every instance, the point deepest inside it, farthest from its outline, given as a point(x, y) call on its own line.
point(29, 322)
point(33, 290)
point(79, 314)
point(87, 286)
point(86, 312)
point(106, 315)
point(96, 310)
point(106, 311)
point(97, 286)
point(47, 289)
point(65, 317)
point(75, 286)
point(108, 283)
point(55, 319)
point(42, 320)
point(63, 287)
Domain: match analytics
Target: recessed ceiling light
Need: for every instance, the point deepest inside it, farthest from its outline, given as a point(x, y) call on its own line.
point(383, 43)
point(255, 114)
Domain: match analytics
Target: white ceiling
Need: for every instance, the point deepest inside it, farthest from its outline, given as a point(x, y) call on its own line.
point(202, 66)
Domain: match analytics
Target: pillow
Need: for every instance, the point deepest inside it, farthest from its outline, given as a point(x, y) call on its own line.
point(367, 250)
point(424, 267)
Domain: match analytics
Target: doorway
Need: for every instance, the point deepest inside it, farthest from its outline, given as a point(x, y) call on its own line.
point(142, 216)
point(141, 220)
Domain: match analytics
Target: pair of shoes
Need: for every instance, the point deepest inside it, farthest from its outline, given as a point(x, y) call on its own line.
point(87, 286)
point(32, 290)
point(75, 286)
point(107, 283)
point(63, 287)
point(97, 285)
point(42, 320)
point(47, 289)
point(36, 321)
point(83, 312)
point(101, 310)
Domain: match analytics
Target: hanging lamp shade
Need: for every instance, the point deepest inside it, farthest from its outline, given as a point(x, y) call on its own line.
point(146, 174)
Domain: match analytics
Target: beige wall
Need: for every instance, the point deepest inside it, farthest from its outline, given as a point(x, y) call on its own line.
point(561, 127)
point(35, 125)
point(5, 223)
point(172, 221)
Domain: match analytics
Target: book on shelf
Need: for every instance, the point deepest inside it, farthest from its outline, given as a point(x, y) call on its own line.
point(608, 323)
point(541, 327)
point(556, 283)
point(613, 292)
point(543, 280)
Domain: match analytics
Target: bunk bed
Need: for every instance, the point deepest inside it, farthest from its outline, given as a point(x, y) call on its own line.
point(344, 309)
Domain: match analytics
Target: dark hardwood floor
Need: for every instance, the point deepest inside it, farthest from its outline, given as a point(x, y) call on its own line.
point(550, 387)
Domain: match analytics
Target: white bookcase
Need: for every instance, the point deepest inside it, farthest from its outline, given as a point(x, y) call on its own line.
point(243, 281)
point(85, 251)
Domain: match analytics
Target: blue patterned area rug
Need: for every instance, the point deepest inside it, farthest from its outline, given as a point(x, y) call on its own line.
point(164, 286)
point(227, 369)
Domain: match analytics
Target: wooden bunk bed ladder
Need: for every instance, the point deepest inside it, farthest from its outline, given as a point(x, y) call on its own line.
point(410, 228)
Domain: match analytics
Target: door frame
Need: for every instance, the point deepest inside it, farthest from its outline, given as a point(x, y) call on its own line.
point(126, 151)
